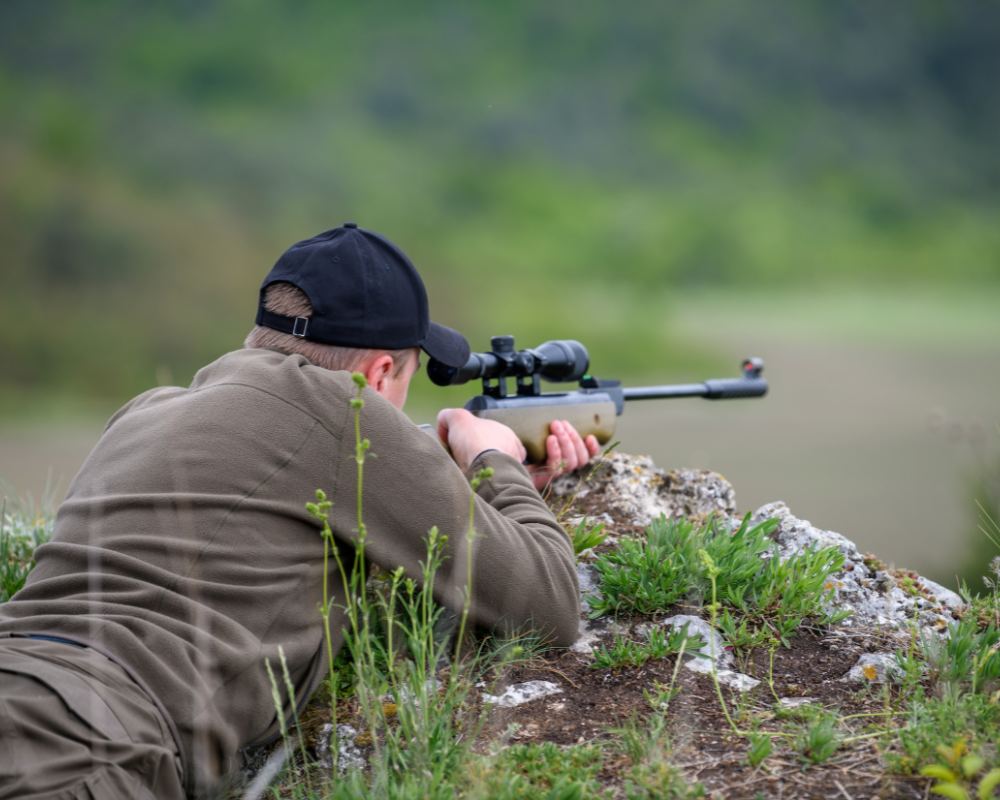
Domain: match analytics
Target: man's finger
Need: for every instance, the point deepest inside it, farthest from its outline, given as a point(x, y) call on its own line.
point(553, 452)
point(582, 456)
point(443, 424)
point(573, 452)
point(593, 446)
point(567, 450)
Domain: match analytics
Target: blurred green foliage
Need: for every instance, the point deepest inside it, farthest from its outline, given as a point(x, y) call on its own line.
point(556, 170)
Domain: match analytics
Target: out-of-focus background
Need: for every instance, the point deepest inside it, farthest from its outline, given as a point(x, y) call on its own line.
point(677, 185)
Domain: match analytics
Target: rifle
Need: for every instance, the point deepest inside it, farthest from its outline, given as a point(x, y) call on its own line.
point(591, 409)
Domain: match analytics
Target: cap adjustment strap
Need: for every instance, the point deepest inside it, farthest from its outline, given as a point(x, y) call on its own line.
point(296, 326)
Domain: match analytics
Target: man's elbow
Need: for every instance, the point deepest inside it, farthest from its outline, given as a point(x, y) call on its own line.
point(567, 634)
point(562, 628)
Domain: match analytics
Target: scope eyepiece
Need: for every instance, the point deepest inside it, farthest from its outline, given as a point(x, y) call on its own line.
point(558, 360)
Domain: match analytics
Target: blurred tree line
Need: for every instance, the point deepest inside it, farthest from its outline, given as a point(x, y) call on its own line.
point(556, 170)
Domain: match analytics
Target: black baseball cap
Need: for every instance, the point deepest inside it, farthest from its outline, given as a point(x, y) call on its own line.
point(364, 292)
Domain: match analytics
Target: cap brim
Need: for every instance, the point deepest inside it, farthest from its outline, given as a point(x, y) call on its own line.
point(446, 345)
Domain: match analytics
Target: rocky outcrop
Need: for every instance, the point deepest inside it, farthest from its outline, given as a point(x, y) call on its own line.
point(633, 491)
point(628, 492)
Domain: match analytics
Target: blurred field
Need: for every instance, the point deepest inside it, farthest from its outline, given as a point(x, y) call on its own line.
point(882, 414)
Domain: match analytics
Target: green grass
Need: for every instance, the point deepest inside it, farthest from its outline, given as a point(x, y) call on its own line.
point(586, 535)
point(659, 643)
point(769, 596)
point(651, 773)
point(20, 533)
point(418, 718)
point(954, 710)
point(818, 740)
point(962, 775)
point(544, 770)
point(932, 722)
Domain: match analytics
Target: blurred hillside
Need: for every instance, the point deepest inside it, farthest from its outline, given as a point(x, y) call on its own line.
point(556, 170)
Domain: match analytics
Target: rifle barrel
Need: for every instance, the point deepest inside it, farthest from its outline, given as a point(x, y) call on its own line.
point(660, 392)
point(715, 389)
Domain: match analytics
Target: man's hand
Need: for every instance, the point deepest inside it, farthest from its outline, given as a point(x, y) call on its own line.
point(565, 450)
point(467, 436)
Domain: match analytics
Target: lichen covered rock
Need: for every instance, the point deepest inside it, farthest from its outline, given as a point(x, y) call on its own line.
point(629, 492)
point(871, 594)
point(634, 489)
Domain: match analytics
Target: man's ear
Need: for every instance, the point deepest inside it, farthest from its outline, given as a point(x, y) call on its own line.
point(377, 370)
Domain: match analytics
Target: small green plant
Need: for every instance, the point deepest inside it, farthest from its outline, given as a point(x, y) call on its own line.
point(659, 644)
point(962, 775)
point(818, 740)
point(952, 726)
point(740, 632)
point(760, 748)
point(968, 658)
point(985, 607)
point(658, 699)
point(622, 653)
point(586, 535)
point(805, 712)
point(874, 563)
point(21, 534)
point(539, 770)
point(651, 775)
point(911, 667)
point(712, 570)
point(934, 722)
point(908, 584)
point(662, 643)
point(645, 575)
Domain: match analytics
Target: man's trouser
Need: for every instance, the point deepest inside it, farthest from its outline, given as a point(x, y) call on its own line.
point(74, 725)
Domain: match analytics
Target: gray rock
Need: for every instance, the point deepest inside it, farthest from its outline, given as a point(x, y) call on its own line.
point(874, 668)
point(795, 702)
point(349, 755)
point(714, 651)
point(727, 677)
point(633, 487)
point(941, 595)
point(872, 597)
point(737, 680)
point(518, 693)
point(714, 656)
point(587, 638)
point(588, 579)
point(796, 535)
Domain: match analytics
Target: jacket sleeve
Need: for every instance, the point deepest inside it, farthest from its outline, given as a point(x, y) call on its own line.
point(523, 568)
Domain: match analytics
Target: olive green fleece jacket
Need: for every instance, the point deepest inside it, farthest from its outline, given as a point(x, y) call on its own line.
point(184, 552)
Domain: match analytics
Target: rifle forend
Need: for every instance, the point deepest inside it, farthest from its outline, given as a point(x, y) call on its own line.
point(591, 409)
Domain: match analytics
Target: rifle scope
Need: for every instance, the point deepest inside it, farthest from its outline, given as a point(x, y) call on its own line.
point(558, 360)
